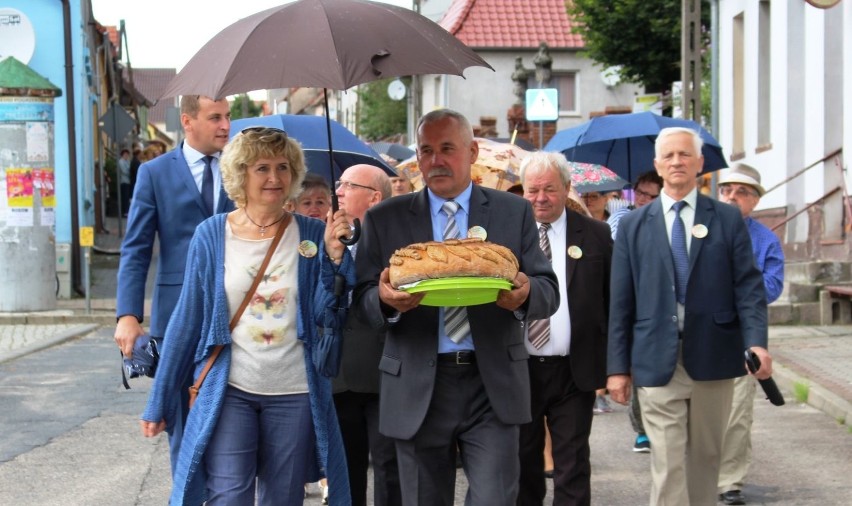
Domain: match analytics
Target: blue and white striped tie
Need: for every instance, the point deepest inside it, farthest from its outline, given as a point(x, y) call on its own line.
point(455, 318)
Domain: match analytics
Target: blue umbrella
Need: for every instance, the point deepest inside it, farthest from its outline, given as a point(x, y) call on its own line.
point(625, 142)
point(311, 133)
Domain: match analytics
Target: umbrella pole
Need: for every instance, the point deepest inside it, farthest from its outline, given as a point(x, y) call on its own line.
point(356, 223)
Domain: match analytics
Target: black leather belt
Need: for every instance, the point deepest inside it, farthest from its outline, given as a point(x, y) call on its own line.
point(549, 359)
point(457, 357)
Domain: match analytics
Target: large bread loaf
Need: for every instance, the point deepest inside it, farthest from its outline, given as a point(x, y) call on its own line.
point(470, 257)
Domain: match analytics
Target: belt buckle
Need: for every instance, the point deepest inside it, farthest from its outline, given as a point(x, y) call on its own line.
point(459, 357)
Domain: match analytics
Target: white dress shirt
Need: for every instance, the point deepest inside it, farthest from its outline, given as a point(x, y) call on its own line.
point(195, 160)
point(560, 322)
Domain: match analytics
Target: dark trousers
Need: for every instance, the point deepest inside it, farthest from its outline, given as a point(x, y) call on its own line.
point(358, 415)
point(569, 418)
point(459, 414)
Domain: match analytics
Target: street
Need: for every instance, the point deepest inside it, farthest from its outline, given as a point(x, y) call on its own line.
point(71, 437)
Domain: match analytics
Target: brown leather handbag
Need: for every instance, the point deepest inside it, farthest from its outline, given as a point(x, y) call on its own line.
point(193, 390)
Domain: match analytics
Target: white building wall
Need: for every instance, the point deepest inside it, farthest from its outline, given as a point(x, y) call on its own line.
point(807, 47)
point(486, 93)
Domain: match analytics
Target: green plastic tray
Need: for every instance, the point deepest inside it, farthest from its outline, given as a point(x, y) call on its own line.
point(450, 292)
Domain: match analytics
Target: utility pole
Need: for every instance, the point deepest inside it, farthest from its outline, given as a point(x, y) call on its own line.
point(690, 60)
point(415, 102)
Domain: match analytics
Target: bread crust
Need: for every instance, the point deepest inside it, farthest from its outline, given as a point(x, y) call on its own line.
point(471, 257)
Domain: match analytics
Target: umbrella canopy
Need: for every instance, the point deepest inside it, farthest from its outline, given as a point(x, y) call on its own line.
point(625, 142)
point(311, 133)
point(335, 44)
point(396, 151)
point(496, 166)
point(591, 177)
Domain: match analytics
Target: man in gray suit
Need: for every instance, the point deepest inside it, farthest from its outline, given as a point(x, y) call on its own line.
point(464, 384)
point(680, 319)
point(356, 387)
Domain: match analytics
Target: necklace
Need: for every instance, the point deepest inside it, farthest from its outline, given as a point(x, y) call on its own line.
point(263, 227)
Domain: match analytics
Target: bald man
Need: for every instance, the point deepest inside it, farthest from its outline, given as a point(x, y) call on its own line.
point(356, 388)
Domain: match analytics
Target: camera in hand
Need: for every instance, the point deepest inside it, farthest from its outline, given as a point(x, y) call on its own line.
point(768, 385)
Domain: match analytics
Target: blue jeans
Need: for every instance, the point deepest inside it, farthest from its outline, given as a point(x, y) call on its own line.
point(268, 437)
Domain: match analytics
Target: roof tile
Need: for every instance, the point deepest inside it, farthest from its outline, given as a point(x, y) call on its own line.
point(501, 23)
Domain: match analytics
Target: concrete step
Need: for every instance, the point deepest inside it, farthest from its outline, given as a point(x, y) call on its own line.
point(818, 272)
point(800, 292)
point(798, 313)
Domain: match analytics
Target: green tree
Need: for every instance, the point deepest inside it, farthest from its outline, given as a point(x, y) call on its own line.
point(380, 116)
point(254, 110)
point(640, 35)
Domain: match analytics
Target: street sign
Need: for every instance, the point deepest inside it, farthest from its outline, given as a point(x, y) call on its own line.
point(116, 123)
point(542, 104)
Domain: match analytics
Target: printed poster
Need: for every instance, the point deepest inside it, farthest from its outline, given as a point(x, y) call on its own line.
point(19, 188)
point(37, 142)
point(19, 217)
point(47, 216)
point(45, 181)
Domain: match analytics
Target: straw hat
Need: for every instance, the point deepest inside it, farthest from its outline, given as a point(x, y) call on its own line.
point(742, 174)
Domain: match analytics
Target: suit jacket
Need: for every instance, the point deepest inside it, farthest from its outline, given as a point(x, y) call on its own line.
point(725, 310)
point(167, 206)
point(361, 352)
point(588, 281)
point(409, 358)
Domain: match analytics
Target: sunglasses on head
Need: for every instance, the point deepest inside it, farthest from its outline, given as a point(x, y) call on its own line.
point(263, 130)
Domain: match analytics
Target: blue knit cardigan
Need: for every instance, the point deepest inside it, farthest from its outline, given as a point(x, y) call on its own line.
point(201, 321)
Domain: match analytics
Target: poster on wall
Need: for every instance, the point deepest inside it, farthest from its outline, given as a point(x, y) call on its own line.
point(19, 188)
point(44, 180)
point(37, 141)
point(47, 217)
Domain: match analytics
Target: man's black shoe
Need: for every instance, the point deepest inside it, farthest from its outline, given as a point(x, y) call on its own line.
point(732, 497)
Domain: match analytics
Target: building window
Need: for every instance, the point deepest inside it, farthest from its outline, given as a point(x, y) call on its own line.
point(764, 79)
point(565, 83)
point(738, 73)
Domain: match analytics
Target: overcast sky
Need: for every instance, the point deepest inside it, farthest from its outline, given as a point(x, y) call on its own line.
point(167, 33)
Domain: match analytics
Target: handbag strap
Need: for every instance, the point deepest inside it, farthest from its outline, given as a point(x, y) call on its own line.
point(249, 294)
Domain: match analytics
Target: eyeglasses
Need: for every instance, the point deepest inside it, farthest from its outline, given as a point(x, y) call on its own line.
point(348, 185)
point(741, 191)
point(640, 193)
point(263, 130)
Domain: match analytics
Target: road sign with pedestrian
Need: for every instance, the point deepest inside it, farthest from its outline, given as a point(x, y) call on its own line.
point(542, 104)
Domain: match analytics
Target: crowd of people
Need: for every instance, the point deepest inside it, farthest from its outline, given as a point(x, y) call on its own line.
point(255, 279)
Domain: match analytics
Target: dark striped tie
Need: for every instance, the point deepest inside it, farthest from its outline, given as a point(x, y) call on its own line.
point(679, 255)
point(456, 325)
point(207, 185)
point(539, 334)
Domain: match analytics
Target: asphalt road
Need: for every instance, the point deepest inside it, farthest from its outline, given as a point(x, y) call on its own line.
point(69, 436)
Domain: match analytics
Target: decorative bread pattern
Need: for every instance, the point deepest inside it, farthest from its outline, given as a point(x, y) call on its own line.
point(470, 257)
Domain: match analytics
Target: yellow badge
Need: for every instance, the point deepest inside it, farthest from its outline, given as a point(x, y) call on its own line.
point(575, 252)
point(308, 249)
point(699, 231)
point(477, 232)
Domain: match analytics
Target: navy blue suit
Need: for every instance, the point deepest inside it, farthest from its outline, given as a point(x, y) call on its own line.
point(725, 301)
point(167, 206)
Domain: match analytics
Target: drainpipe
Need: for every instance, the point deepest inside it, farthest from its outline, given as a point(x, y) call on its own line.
point(72, 150)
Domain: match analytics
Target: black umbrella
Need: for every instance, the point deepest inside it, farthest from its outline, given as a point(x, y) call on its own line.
point(329, 44)
point(396, 151)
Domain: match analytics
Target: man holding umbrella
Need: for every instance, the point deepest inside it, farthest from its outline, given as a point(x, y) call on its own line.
point(470, 390)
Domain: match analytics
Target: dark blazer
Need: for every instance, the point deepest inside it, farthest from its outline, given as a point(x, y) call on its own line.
point(167, 205)
point(725, 309)
point(359, 363)
point(411, 346)
point(588, 281)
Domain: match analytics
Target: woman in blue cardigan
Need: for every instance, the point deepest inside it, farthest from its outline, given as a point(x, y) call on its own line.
point(264, 422)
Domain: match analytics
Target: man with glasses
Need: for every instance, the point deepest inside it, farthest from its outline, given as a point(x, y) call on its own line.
point(174, 193)
point(646, 188)
point(356, 387)
point(740, 186)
